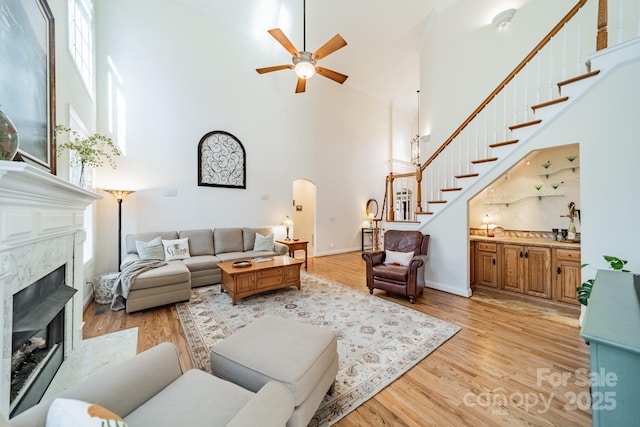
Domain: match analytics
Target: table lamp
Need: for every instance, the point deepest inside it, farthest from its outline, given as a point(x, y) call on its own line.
point(487, 220)
point(287, 222)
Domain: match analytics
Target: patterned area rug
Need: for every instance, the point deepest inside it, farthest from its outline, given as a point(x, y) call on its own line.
point(378, 340)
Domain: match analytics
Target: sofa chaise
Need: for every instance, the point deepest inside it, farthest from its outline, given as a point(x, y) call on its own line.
point(172, 282)
point(151, 390)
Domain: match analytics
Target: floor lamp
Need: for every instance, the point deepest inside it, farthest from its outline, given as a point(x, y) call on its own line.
point(119, 195)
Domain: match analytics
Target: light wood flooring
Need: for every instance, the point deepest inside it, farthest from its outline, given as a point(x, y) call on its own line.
point(508, 366)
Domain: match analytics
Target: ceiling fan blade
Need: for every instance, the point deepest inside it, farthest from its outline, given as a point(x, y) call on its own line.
point(330, 74)
point(275, 68)
point(284, 41)
point(301, 85)
point(329, 47)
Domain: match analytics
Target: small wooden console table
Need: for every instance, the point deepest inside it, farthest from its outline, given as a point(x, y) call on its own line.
point(295, 245)
point(279, 272)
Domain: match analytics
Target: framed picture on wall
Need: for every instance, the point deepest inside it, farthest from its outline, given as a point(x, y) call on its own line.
point(27, 79)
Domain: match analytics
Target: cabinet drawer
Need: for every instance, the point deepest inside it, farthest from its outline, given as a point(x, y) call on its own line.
point(487, 246)
point(271, 272)
point(568, 254)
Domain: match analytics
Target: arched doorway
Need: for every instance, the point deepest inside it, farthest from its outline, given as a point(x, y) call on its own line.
point(304, 212)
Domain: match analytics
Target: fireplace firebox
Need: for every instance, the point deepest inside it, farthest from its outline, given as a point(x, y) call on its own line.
point(37, 339)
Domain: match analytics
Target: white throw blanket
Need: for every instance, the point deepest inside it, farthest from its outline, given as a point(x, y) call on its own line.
point(125, 279)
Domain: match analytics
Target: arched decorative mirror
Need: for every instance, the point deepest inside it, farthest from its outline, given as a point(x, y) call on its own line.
point(372, 208)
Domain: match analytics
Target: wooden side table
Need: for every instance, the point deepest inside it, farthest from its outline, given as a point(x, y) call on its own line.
point(295, 245)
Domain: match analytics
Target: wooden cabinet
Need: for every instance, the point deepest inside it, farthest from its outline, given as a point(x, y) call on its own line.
point(526, 269)
point(486, 264)
point(566, 275)
point(512, 268)
point(548, 271)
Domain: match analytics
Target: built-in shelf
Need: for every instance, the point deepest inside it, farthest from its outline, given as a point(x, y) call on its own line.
point(547, 175)
point(539, 197)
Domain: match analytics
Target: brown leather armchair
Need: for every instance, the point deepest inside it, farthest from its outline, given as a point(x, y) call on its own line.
point(405, 280)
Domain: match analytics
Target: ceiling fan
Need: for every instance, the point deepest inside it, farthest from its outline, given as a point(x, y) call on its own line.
point(304, 63)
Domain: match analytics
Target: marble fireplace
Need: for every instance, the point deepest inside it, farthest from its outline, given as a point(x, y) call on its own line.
point(41, 231)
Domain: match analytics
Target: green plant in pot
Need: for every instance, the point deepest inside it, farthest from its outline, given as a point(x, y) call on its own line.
point(91, 151)
point(584, 290)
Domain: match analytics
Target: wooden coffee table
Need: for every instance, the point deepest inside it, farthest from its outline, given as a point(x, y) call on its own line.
point(279, 272)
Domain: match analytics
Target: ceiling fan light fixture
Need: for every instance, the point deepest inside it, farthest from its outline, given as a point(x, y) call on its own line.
point(305, 67)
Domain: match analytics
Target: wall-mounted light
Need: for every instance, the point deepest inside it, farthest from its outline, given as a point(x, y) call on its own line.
point(415, 141)
point(503, 18)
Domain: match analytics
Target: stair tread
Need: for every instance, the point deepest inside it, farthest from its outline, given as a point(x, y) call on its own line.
point(490, 159)
point(550, 103)
point(578, 78)
point(503, 143)
point(424, 213)
point(525, 124)
point(436, 201)
point(468, 175)
point(451, 189)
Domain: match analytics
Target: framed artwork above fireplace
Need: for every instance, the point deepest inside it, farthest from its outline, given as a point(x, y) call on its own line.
point(27, 81)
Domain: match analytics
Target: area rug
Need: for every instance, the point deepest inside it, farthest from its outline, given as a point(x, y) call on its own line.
point(378, 340)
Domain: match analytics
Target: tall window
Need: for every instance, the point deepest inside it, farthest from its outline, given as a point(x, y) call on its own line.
point(81, 38)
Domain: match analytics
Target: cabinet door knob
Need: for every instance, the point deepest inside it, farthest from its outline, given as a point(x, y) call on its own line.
point(493, 261)
point(526, 255)
point(521, 254)
point(559, 270)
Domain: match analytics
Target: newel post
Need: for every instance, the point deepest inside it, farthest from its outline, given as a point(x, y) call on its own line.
point(391, 213)
point(419, 189)
point(601, 38)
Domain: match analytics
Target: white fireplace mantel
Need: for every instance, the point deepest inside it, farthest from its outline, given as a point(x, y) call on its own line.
point(41, 228)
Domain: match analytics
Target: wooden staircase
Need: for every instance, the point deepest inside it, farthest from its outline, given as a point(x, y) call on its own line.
point(464, 158)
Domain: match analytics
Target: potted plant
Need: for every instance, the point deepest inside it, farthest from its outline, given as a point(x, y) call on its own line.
point(91, 151)
point(584, 290)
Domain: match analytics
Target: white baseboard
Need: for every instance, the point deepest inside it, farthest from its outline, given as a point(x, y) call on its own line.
point(450, 289)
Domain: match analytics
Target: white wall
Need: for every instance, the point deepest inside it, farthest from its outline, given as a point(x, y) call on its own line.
point(183, 75)
point(465, 57)
point(71, 92)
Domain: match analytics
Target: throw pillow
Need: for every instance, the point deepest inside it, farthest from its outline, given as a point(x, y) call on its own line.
point(399, 258)
point(152, 249)
point(72, 413)
point(176, 249)
point(263, 243)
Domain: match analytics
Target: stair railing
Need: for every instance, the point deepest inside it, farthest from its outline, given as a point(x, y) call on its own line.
point(560, 55)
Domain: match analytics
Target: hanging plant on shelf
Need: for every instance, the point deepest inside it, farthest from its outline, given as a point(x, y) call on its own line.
point(546, 164)
point(90, 151)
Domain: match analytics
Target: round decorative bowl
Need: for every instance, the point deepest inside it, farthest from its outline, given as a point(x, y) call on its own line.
point(241, 264)
point(8, 138)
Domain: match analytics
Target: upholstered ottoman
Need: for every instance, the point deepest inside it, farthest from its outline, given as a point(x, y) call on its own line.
point(302, 357)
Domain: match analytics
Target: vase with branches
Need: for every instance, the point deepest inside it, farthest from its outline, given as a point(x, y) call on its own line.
point(90, 151)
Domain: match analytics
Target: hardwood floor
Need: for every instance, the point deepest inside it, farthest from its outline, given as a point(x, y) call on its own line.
point(507, 366)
